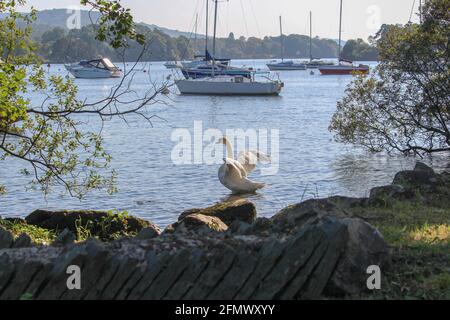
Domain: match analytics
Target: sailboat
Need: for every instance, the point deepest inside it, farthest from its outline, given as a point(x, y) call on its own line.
point(227, 84)
point(202, 66)
point(345, 67)
point(284, 65)
point(314, 63)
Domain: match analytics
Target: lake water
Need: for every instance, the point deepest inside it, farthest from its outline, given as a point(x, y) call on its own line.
point(153, 187)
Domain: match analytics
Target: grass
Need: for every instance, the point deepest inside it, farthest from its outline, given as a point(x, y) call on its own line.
point(38, 235)
point(111, 227)
point(419, 236)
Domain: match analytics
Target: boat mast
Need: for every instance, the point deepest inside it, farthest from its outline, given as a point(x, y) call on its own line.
point(206, 39)
point(340, 32)
point(195, 33)
point(420, 10)
point(214, 38)
point(281, 40)
point(310, 37)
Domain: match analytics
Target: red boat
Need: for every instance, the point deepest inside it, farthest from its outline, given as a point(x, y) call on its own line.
point(344, 67)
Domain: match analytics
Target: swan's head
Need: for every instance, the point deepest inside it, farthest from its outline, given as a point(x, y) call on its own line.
point(222, 140)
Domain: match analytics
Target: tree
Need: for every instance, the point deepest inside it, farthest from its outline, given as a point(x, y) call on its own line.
point(50, 136)
point(359, 50)
point(405, 104)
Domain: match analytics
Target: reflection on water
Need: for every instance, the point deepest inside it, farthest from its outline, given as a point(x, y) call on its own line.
point(311, 164)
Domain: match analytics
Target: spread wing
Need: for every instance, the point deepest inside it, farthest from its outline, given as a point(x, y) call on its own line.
point(249, 159)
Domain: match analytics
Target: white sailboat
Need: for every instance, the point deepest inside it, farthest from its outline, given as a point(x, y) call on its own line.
point(284, 65)
point(227, 85)
point(314, 63)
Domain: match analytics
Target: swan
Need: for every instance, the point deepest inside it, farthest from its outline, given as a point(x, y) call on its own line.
point(233, 173)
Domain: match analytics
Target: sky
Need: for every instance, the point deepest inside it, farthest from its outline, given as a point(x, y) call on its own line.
point(361, 18)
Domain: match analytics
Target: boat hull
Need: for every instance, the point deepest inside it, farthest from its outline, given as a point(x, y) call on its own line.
point(92, 73)
point(229, 88)
point(275, 67)
point(335, 70)
point(199, 74)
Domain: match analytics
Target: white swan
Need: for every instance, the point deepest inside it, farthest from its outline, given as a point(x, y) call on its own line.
point(233, 173)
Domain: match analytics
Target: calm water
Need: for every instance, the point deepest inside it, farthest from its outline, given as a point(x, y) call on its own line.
point(151, 186)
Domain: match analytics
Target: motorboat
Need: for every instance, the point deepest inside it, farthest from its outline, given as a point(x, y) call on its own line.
point(229, 85)
point(94, 69)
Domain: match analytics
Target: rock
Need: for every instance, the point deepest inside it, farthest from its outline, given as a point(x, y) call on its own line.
point(365, 247)
point(228, 212)
point(239, 227)
point(148, 233)
point(96, 221)
point(23, 241)
point(308, 212)
point(261, 225)
point(64, 238)
point(198, 221)
point(420, 177)
point(420, 166)
point(6, 238)
point(385, 194)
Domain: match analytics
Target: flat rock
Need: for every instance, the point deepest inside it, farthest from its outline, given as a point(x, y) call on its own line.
point(228, 212)
point(198, 221)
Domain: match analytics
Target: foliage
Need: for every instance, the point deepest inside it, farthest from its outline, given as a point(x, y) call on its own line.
point(419, 237)
point(359, 50)
point(405, 104)
point(110, 227)
point(50, 135)
point(38, 235)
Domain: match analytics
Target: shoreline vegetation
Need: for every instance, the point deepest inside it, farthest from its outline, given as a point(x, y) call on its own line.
point(403, 227)
point(57, 44)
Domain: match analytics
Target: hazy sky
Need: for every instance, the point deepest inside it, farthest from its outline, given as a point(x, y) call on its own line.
point(260, 17)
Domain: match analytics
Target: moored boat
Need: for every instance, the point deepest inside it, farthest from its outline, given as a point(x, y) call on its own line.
point(344, 67)
point(94, 69)
point(225, 84)
point(211, 69)
point(228, 85)
point(173, 65)
point(284, 65)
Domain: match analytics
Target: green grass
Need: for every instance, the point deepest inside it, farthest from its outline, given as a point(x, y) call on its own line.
point(38, 235)
point(109, 228)
point(420, 239)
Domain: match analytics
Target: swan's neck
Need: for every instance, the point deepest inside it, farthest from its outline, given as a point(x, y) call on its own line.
point(229, 149)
